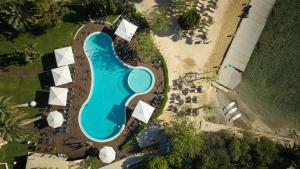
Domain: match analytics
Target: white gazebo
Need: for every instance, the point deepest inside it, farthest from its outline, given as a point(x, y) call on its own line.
point(64, 56)
point(61, 75)
point(126, 30)
point(58, 96)
point(143, 111)
point(107, 154)
point(55, 119)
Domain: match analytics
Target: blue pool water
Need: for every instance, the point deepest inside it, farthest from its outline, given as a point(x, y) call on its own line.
point(114, 83)
point(139, 80)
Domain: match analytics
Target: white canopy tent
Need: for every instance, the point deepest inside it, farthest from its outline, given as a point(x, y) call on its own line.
point(64, 56)
point(61, 75)
point(126, 30)
point(143, 111)
point(55, 119)
point(107, 154)
point(58, 96)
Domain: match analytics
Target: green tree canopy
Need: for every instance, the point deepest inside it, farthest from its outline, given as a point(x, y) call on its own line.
point(189, 20)
point(156, 163)
point(100, 8)
point(186, 143)
point(144, 47)
point(31, 14)
point(159, 20)
point(17, 14)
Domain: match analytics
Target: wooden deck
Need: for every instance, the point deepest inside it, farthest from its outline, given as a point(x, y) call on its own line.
point(81, 86)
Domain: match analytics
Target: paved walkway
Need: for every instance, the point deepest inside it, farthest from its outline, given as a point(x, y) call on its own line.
point(123, 164)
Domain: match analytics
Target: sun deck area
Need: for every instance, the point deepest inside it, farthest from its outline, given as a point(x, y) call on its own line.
point(66, 140)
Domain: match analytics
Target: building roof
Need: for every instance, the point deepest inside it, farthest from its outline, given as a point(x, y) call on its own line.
point(143, 111)
point(55, 119)
point(61, 75)
point(244, 41)
point(64, 56)
point(126, 30)
point(38, 160)
point(107, 154)
point(58, 96)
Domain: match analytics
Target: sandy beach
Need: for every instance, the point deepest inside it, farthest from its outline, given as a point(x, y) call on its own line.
point(182, 57)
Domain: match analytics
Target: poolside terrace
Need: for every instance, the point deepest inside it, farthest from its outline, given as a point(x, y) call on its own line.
point(67, 139)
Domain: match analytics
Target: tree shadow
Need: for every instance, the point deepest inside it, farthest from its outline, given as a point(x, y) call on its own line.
point(129, 112)
point(46, 80)
point(41, 98)
point(41, 124)
point(93, 152)
point(21, 162)
point(49, 61)
point(8, 33)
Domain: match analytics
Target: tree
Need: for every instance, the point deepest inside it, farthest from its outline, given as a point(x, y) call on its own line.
point(189, 20)
point(49, 13)
point(7, 107)
point(144, 47)
point(30, 54)
point(185, 142)
point(100, 8)
point(17, 14)
point(159, 20)
point(14, 127)
point(290, 155)
point(90, 162)
point(264, 152)
point(157, 162)
point(13, 122)
point(181, 6)
point(234, 149)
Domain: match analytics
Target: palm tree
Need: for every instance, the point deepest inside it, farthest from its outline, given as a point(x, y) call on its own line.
point(49, 13)
point(291, 153)
point(11, 130)
point(14, 127)
point(13, 121)
point(7, 107)
point(16, 14)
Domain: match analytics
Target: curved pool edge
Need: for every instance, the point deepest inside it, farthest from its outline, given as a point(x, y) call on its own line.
point(92, 89)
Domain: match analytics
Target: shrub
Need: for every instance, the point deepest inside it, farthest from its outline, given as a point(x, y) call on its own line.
point(159, 20)
point(189, 19)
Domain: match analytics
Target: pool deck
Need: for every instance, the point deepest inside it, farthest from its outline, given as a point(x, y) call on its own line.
point(81, 86)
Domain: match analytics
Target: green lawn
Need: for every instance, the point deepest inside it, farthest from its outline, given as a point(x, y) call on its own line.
point(47, 42)
point(21, 89)
point(271, 82)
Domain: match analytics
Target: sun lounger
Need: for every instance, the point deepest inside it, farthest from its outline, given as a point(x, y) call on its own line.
point(228, 107)
point(235, 117)
point(231, 111)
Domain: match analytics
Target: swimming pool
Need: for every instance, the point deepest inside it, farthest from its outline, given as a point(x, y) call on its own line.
point(102, 117)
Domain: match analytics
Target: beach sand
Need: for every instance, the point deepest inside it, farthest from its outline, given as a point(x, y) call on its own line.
point(182, 58)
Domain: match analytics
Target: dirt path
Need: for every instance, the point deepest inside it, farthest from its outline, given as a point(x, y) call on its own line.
point(212, 127)
point(21, 73)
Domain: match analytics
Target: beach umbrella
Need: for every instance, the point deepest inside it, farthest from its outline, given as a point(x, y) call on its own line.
point(107, 154)
point(143, 111)
point(64, 56)
point(55, 119)
point(126, 30)
point(61, 75)
point(58, 96)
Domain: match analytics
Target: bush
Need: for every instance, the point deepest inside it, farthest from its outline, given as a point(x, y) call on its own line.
point(166, 87)
point(131, 138)
point(159, 20)
point(189, 20)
